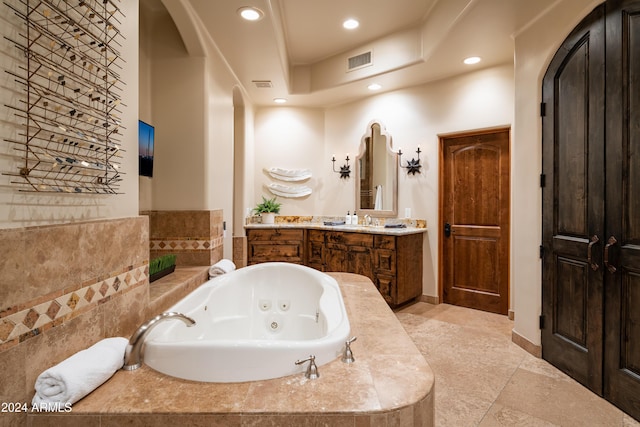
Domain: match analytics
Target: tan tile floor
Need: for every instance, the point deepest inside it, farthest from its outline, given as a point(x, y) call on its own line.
point(483, 379)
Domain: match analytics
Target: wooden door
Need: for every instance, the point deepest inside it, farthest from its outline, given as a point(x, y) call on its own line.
point(573, 204)
point(474, 188)
point(622, 207)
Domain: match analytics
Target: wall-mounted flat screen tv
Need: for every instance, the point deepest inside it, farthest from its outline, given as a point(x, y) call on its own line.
point(146, 134)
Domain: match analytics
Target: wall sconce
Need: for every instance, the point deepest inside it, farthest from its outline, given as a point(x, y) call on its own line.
point(345, 170)
point(413, 165)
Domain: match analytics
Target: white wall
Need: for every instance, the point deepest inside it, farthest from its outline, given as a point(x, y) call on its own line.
point(20, 209)
point(303, 138)
point(219, 145)
point(535, 48)
point(292, 138)
point(145, 111)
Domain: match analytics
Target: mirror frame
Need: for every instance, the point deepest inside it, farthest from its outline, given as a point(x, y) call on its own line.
point(393, 212)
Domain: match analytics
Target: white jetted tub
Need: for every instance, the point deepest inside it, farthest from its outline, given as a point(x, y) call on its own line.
point(252, 324)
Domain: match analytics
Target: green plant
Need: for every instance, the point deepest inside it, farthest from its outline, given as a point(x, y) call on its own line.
point(161, 263)
point(267, 206)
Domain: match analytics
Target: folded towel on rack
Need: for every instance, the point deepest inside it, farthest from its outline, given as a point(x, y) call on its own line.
point(221, 267)
point(395, 226)
point(75, 377)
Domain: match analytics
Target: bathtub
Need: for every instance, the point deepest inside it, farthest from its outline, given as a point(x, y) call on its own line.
point(252, 324)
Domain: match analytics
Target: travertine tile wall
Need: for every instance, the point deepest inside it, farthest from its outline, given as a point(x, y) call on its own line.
point(195, 237)
point(63, 288)
point(240, 251)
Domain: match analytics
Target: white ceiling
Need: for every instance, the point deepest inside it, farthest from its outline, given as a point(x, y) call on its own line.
point(301, 47)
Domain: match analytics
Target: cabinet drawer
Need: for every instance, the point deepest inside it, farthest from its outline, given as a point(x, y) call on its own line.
point(275, 235)
point(350, 239)
point(384, 242)
point(385, 261)
point(267, 251)
point(315, 235)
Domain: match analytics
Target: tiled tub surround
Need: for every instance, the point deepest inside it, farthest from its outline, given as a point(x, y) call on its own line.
point(390, 384)
point(195, 237)
point(62, 289)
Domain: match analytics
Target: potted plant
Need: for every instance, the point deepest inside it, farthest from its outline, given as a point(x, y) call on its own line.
point(267, 210)
point(161, 266)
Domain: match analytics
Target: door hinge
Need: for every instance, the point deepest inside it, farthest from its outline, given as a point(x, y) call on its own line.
point(543, 180)
point(541, 251)
point(541, 321)
point(543, 109)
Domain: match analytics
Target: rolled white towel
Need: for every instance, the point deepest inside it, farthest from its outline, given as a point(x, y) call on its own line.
point(221, 267)
point(75, 377)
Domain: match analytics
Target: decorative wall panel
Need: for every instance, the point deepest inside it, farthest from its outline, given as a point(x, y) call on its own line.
point(69, 118)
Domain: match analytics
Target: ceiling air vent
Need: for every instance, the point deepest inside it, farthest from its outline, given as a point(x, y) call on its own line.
point(359, 61)
point(262, 84)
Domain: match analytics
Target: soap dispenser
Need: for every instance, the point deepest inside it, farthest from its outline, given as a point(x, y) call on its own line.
point(347, 219)
point(354, 218)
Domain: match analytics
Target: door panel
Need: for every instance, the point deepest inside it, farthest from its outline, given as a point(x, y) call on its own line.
point(622, 314)
point(572, 141)
point(573, 204)
point(475, 207)
point(571, 301)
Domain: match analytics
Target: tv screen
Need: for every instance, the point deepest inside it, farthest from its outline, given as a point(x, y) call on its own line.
point(145, 148)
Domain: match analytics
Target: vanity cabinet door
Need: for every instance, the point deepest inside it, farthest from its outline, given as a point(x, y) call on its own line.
point(359, 261)
point(335, 257)
point(314, 249)
point(408, 267)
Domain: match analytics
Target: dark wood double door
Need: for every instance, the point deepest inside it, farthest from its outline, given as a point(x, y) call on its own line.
point(591, 205)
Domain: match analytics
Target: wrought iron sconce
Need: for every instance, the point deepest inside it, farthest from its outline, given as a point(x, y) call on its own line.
point(413, 166)
point(345, 170)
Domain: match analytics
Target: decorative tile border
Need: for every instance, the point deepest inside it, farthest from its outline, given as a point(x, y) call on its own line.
point(185, 244)
point(40, 315)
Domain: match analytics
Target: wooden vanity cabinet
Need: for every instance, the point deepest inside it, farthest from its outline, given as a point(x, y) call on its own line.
point(393, 263)
point(275, 244)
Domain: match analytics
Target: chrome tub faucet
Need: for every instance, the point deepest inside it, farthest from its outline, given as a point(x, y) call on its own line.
point(133, 353)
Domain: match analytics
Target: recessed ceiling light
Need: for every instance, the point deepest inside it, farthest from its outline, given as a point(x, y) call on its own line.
point(250, 13)
point(374, 86)
point(279, 100)
point(351, 24)
point(472, 60)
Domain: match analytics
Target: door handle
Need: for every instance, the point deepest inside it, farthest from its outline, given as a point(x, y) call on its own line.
point(594, 240)
point(447, 230)
point(612, 241)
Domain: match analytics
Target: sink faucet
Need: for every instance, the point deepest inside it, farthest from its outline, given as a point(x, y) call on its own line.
point(367, 219)
point(133, 353)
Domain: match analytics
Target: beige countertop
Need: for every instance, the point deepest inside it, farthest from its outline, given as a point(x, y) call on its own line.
point(345, 228)
point(389, 383)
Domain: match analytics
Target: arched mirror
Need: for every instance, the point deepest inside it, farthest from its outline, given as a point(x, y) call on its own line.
point(377, 174)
